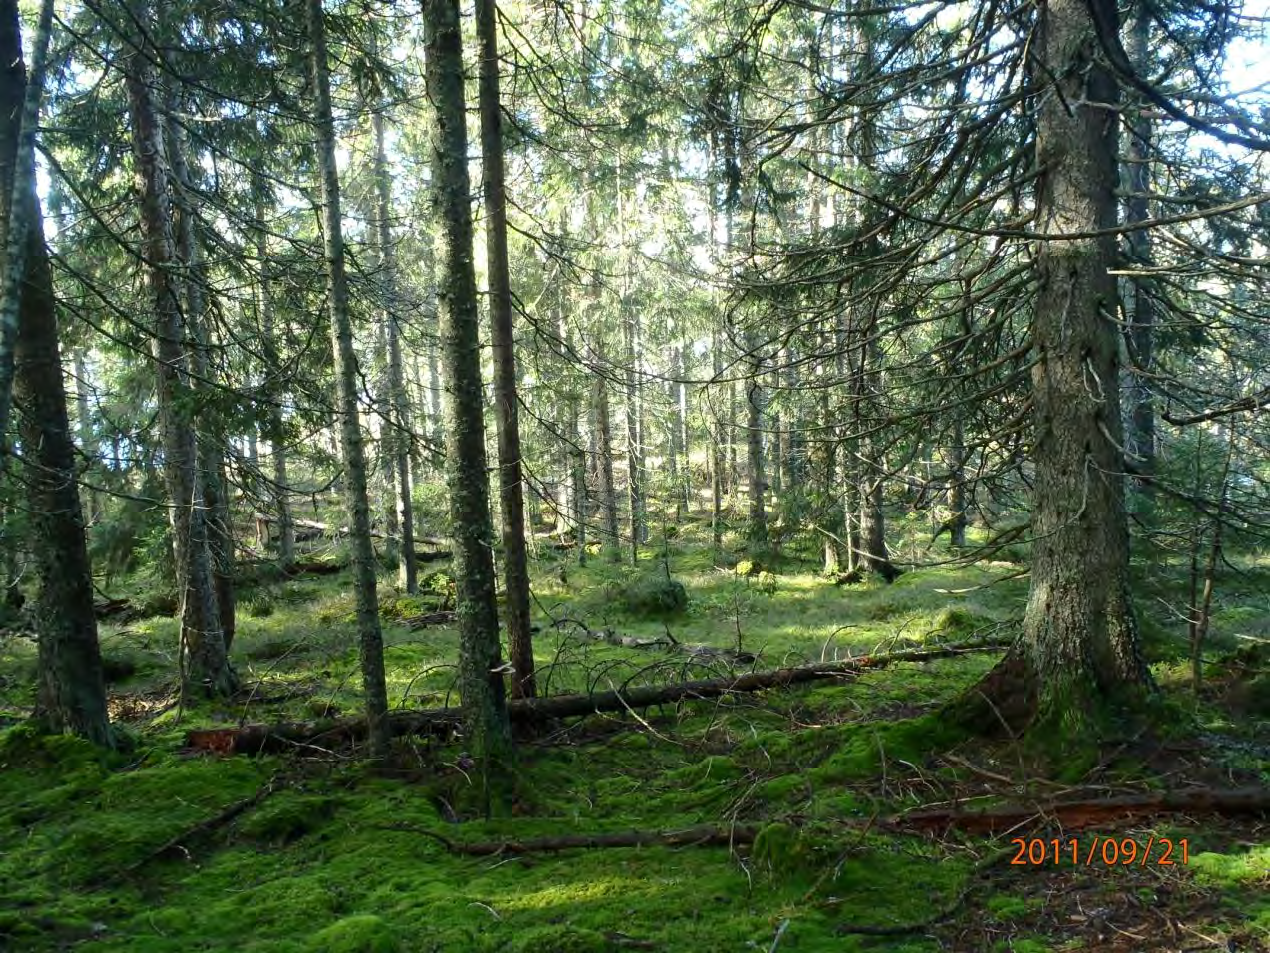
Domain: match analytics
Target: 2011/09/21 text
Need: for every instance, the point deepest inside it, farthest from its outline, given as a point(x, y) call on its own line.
point(1109, 851)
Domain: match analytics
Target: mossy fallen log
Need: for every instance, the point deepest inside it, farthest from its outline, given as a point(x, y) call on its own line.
point(1070, 815)
point(668, 643)
point(253, 739)
point(1080, 814)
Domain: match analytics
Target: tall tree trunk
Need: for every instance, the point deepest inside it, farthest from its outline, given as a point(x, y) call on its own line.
point(481, 685)
point(604, 454)
point(757, 529)
point(205, 668)
point(510, 481)
point(276, 431)
point(399, 420)
point(957, 484)
point(220, 539)
point(15, 220)
point(71, 693)
point(1079, 641)
point(88, 445)
point(370, 638)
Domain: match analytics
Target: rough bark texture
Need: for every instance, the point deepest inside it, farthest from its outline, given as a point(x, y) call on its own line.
point(399, 404)
point(1079, 640)
point(370, 638)
point(480, 668)
point(510, 481)
point(205, 662)
point(15, 217)
point(71, 694)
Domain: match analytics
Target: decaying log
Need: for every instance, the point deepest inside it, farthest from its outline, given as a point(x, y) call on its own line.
point(1090, 812)
point(703, 835)
point(312, 568)
point(1071, 815)
point(440, 617)
point(668, 644)
point(251, 739)
point(110, 608)
point(432, 556)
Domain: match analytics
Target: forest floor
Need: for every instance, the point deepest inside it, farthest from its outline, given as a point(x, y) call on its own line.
point(164, 848)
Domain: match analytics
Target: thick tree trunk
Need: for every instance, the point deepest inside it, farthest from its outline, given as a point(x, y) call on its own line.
point(370, 638)
point(15, 214)
point(205, 662)
point(480, 668)
point(510, 481)
point(71, 694)
point(1079, 643)
point(398, 424)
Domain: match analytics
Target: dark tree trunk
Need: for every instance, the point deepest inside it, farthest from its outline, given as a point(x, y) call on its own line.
point(481, 684)
point(71, 694)
point(510, 481)
point(370, 638)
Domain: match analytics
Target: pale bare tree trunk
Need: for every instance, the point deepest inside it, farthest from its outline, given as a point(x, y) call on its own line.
point(510, 480)
point(370, 638)
point(398, 424)
point(487, 729)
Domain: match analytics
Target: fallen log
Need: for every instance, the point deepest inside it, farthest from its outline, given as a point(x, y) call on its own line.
point(427, 556)
point(1237, 801)
point(111, 607)
point(440, 617)
point(668, 644)
point(703, 835)
point(1085, 813)
point(253, 739)
point(312, 568)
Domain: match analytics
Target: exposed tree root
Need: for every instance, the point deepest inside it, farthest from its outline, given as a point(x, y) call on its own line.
point(202, 829)
point(252, 739)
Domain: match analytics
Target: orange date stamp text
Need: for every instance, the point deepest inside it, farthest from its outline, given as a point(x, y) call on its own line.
point(1096, 849)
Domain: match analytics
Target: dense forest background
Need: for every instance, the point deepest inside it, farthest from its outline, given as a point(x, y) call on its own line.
point(372, 372)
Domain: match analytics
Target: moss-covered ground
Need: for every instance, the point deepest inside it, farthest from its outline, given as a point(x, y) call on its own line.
point(114, 852)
